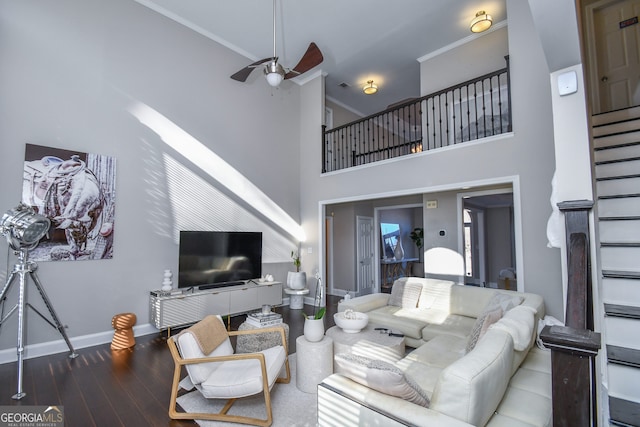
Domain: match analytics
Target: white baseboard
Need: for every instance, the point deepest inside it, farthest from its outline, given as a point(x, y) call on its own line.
point(60, 346)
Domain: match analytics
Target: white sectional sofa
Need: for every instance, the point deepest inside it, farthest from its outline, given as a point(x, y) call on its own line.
point(475, 361)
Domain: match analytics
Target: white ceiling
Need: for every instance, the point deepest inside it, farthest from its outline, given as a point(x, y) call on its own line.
point(361, 40)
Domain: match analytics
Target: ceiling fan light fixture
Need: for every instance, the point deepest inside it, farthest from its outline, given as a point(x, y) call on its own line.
point(370, 88)
point(274, 73)
point(482, 22)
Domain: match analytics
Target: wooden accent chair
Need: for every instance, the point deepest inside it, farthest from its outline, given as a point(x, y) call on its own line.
point(221, 374)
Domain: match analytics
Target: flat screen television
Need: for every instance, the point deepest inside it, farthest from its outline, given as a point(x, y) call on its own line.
point(210, 259)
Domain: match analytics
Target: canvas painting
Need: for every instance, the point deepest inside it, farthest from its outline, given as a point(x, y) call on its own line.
point(76, 191)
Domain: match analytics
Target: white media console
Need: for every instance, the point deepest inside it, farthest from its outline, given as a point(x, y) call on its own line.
point(178, 308)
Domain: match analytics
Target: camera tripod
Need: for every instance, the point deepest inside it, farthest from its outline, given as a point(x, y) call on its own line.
point(20, 269)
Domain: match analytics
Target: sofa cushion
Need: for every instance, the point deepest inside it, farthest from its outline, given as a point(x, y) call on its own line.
point(453, 324)
point(471, 388)
point(536, 410)
point(426, 376)
point(472, 301)
point(398, 320)
point(381, 376)
point(405, 294)
point(469, 300)
point(504, 301)
point(435, 294)
point(481, 326)
point(440, 352)
point(364, 303)
point(520, 323)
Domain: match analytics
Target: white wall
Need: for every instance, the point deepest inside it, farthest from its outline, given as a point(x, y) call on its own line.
point(528, 155)
point(71, 72)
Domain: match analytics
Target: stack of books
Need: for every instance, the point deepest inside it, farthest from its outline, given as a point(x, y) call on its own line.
point(262, 320)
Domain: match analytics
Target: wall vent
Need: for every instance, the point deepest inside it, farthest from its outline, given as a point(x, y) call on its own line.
point(344, 85)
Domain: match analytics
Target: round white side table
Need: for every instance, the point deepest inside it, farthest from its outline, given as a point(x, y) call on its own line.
point(296, 297)
point(314, 363)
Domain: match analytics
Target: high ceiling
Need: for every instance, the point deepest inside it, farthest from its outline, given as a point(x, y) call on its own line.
point(361, 40)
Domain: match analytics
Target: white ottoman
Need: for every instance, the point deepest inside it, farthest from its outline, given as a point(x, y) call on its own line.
point(258, 342)
point(296, 297)
point(314, 363)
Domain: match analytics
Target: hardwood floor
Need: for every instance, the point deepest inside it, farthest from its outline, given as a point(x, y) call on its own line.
point(123, 388)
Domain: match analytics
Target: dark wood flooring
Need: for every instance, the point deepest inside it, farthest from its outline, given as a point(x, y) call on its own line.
point(123, 388)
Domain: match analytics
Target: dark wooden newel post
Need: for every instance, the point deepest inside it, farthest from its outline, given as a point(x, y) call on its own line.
point(575, 346)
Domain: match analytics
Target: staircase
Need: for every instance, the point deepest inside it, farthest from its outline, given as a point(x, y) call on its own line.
point(616, 140)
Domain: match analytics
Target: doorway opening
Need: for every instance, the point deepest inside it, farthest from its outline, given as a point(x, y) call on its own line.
point(487, 238)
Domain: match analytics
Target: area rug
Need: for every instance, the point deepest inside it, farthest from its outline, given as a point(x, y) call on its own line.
point(290, 406)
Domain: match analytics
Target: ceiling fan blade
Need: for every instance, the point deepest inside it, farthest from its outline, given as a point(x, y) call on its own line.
point(243, 74)
point(310, 59)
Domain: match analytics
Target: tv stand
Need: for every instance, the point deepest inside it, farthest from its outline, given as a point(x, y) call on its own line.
point(219, 285)
point(170, 310)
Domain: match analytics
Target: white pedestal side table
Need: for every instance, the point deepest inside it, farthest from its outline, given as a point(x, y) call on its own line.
point(296, 297)
point(314, 363)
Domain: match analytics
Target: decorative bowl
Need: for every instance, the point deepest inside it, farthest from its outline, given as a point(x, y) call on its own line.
point(351, 321)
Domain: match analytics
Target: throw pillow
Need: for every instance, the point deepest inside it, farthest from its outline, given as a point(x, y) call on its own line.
point(396, 293)
point(481, 325)
point(381, 376)
point(405, 294)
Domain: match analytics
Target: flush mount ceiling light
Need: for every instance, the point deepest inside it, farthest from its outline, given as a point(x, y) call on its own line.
point(482, 22)
point(370, 88)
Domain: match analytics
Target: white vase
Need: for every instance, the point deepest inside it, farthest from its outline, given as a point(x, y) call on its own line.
point(167, 283)
point(314, 329)
point(398, 252)
point(297, 279)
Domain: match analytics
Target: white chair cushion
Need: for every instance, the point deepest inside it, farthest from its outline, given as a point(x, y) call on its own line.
point(189, 349)
point(240, 378)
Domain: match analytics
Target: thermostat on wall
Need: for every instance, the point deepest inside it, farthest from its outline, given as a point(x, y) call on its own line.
point(567, 83)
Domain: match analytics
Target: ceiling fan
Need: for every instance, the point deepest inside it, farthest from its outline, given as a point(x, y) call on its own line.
point(273, 71)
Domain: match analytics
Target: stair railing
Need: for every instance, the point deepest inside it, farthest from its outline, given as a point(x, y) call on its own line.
point(575, 346)
point(468, 111)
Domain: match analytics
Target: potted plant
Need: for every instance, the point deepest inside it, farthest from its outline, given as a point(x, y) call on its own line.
point(314, 323)
point(296, 279)
point(417, 235)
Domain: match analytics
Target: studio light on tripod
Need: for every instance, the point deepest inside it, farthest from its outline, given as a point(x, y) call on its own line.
point(24, 227)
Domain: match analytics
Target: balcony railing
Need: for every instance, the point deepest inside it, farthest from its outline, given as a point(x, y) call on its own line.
point(475, 109)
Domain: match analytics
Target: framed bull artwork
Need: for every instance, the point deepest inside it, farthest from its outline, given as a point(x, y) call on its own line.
point(76, 191)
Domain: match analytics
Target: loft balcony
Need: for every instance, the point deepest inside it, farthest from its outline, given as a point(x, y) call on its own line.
point(468, 111)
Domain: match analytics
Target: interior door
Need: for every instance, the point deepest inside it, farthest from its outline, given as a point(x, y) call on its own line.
point(365, 255)
point(617, 39)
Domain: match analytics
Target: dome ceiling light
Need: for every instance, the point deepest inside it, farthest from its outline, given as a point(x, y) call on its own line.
point(370, 88)
point(482, 22)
